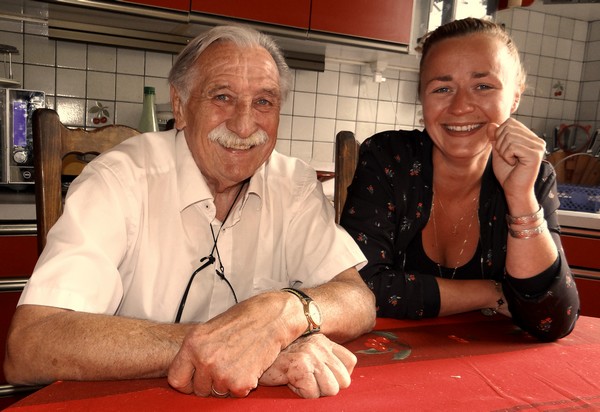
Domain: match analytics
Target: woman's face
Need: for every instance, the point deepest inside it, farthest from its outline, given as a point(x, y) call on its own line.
point(467, 82)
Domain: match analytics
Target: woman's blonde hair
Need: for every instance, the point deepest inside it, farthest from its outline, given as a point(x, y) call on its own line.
point(465, 27)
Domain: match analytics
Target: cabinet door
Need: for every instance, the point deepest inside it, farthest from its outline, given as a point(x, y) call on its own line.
point(385, 20)
point(183, 5)
point(18, 255)
point(286, 13)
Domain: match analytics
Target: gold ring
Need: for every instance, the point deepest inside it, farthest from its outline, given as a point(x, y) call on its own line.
point(217, 394)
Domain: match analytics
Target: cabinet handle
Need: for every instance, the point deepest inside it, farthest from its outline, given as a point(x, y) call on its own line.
point(12, 284)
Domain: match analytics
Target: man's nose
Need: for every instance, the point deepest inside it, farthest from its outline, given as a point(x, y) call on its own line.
point(242, 121)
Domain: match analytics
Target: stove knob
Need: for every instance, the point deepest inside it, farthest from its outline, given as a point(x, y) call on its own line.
point(20, 156)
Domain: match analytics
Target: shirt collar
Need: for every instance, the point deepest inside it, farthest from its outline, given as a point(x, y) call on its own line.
point(192, 185)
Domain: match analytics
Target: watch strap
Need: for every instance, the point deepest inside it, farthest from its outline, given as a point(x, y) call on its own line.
point(313, 327)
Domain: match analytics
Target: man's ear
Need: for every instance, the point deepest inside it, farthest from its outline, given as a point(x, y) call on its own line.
point(178, 112)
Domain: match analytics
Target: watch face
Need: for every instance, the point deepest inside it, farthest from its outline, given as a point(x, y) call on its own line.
point(315, 313)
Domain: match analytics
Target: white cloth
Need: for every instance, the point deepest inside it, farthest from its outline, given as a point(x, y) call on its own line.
point(137, 222)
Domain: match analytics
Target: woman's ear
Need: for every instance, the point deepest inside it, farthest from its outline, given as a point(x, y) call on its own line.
point(517, 100)
point(178, 109)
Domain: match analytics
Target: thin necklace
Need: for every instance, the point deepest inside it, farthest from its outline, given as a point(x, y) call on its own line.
point(435, 236)
point(457, 224)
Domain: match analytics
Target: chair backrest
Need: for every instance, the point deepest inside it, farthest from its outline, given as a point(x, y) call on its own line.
point(52, 142)
point(346, 158)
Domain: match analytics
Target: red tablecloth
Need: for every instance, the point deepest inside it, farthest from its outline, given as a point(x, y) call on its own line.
point(467, 362)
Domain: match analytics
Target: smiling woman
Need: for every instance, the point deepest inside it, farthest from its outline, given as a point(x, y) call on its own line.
point(462, 216)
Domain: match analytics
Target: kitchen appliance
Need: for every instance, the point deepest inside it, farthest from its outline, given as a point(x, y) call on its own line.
point(16, 146)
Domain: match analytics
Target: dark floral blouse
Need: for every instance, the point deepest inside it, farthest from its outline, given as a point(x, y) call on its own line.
point(388, 205)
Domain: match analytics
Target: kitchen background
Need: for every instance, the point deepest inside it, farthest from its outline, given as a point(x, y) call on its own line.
point(562, 57)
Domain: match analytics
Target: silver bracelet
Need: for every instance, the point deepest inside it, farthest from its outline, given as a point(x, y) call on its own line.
point(528, 233)
point(523, 220)
point(499, 302)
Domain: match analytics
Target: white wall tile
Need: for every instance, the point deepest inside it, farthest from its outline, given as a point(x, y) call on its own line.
point(71, 55)
point(349, 84)
point(549, 46)
point(39, 50)
point(306, 81)
point(561, 69)
point(102, 58)
point(368, 89)
point(71, 111)
point(70, 83)
point(158, 64)
point(130, 61)
point(283, 146)
point(536, 22)
point(347, 108)
point(302, 150)
point(580, 31)
point(130, 88)
point(326, 106)
point(566, 28)
point(386, 112)
point(323, 152)
point(551, 25)
point(303, 128)
point(284, 131)
point(101, 86)
point(533, 43)
point(327, 82)
point(324, 130)
point(304, 104)
point(39, 78)
point(367, 110)
point(388, 90)
point(364, 130)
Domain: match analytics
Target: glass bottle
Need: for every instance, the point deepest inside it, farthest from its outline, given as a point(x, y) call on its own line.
point(148, 121)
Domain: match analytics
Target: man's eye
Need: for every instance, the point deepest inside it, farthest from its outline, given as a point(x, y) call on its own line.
point(484, 87)
point(263, 102)
point(222, 97)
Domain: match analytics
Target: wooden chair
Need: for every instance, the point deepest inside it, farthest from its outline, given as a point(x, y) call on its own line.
point(52, 143)
point(346, 158)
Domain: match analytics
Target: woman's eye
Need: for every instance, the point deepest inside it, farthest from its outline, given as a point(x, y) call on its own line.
point(441, 90)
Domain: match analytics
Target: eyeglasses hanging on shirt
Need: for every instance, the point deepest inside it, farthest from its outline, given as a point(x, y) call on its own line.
point(209, 260)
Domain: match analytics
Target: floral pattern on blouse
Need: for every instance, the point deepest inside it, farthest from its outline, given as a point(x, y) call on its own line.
point(388, 204)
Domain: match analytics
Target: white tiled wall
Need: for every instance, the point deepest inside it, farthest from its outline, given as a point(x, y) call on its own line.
point(75, 76)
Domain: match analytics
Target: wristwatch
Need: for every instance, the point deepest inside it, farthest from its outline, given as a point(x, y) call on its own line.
point(311, 311)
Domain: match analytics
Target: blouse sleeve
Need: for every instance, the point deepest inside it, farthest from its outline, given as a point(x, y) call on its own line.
point(546, 305)
point(370, 217)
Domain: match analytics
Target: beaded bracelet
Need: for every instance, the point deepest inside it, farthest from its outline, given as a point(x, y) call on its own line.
point(523, 220)
point(528, 233)
point(499, 302)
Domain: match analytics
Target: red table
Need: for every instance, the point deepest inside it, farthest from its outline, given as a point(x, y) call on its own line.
point(466, 362)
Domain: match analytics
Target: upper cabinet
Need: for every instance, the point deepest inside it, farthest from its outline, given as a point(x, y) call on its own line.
point(181, 5)
point(285, 13)
point(384, 20)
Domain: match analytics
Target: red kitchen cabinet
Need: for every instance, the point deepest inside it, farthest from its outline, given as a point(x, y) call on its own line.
point(18, 254)
point(382, 20)
point(285, 13)
point(182, 5)
point(581, 248)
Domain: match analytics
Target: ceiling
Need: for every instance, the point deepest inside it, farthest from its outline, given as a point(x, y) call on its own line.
point(581, 11)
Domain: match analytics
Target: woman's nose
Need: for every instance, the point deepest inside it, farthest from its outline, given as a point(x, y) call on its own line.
point(461, 102)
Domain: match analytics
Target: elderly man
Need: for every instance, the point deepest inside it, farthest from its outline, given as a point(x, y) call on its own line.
point(162, 236)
